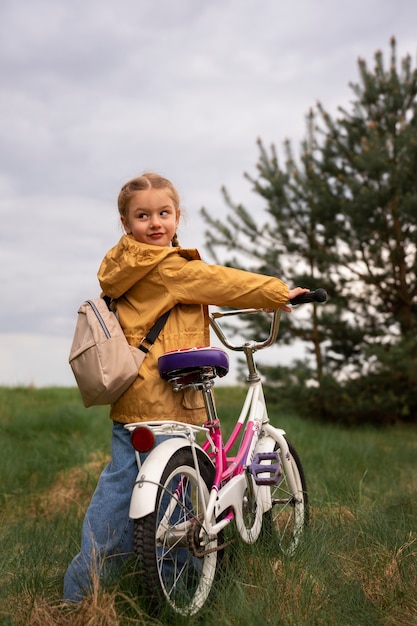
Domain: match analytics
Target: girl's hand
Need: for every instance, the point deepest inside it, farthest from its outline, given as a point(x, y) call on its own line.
point(293, 292)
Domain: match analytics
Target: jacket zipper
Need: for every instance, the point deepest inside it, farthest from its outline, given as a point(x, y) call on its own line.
point(100, 319)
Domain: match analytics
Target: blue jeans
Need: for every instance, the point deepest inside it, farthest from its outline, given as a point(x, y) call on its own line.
point(107, 532)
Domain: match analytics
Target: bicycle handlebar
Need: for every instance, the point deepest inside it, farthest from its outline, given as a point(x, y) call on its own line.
point(319, 295)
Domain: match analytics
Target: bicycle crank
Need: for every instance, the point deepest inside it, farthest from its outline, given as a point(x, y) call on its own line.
point(195, 541)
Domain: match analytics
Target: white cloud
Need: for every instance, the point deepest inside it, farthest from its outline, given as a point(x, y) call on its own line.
point(35, 359)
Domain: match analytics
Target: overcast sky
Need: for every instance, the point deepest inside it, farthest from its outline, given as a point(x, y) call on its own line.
point(94, 92)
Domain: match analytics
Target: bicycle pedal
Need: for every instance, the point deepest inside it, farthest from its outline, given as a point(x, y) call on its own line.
point(273, 469)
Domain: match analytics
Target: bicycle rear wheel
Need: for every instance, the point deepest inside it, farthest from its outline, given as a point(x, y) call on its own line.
point(288, 517)
point(177, 559)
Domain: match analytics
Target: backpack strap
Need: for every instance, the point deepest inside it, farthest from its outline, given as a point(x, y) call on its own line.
point(154, 332)
point(152, 335)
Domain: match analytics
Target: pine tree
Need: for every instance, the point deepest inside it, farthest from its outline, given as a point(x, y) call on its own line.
point(344, 216)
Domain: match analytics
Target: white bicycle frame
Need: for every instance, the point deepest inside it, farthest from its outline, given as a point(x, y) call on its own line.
point(232, 491)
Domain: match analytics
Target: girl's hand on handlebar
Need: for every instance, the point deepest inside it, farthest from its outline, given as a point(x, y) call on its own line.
point(292, 294)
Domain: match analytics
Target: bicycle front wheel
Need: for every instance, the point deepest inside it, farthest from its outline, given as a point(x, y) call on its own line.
point(288, 517)
point(177, 559)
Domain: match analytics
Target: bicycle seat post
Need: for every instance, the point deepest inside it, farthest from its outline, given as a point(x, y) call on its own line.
point(208, 397)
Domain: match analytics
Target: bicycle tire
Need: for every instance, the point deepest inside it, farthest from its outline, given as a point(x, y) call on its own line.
point(174, 573)
point(286, 521)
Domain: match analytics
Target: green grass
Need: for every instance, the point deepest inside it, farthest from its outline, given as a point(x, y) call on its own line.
point(356, 566)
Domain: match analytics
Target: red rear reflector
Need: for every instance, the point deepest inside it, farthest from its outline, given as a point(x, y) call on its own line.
point(142, 439)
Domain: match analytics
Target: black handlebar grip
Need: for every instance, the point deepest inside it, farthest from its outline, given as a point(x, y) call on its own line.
point(319, 295)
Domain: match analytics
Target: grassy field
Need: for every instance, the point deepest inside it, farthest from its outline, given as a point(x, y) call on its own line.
point(356, 566)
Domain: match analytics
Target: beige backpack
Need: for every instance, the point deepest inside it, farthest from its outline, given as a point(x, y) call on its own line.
point(103, 363)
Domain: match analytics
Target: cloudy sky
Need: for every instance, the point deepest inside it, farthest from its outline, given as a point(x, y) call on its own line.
point(94, 92)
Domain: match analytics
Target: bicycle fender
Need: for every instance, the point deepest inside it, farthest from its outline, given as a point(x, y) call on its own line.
point(149, 477)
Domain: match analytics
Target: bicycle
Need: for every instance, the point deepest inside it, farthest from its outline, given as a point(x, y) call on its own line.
point(187, 493)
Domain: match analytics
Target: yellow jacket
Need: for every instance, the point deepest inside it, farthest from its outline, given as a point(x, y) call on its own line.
point(149, 280)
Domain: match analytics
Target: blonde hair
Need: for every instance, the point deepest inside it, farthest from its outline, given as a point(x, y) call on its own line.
point(149, 180)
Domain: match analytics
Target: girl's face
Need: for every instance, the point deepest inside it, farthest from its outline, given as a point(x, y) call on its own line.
point(152, 217)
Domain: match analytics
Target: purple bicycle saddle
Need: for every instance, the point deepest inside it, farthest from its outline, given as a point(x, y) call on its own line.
point(183, 361)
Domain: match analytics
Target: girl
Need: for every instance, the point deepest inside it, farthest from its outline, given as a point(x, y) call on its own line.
point(148, 273)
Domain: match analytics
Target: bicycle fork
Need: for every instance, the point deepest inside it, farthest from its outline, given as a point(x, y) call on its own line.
point(278, 435)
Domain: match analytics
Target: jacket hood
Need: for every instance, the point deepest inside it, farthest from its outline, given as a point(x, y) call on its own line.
point(129, 261)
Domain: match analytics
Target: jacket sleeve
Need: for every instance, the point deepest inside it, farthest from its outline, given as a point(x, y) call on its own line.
point(196, 282)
